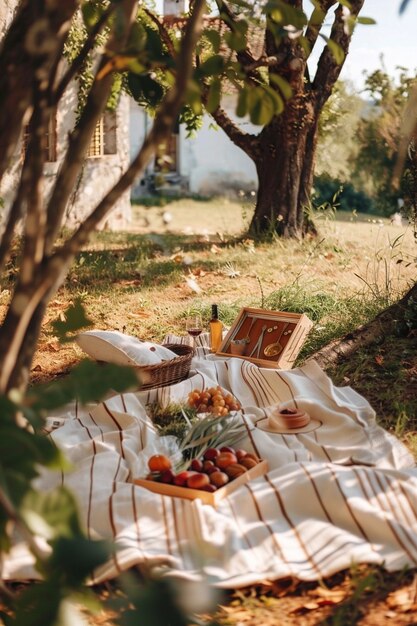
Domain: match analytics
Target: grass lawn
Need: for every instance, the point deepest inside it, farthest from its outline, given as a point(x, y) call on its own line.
point(146, 281)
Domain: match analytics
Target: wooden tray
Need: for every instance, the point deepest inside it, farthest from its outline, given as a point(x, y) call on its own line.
point(208, 498)
point(288, 329)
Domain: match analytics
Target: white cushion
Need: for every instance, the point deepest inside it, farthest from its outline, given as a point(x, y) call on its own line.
point(111, 346)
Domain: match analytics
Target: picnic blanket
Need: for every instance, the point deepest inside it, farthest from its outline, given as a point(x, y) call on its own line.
point(344, 493)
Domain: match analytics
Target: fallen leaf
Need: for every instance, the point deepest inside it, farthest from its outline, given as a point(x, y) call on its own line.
point(379, 359)
point(401, 599)
point(215, 249)
point(334, 596)
point(192, 283)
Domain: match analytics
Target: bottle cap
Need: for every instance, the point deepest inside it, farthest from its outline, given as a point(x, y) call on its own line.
point(214, 311)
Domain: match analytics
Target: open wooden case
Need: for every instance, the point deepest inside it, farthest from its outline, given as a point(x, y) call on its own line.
point(267, 338)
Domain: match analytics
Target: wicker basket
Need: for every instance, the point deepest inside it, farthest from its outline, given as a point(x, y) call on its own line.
point(167, 372)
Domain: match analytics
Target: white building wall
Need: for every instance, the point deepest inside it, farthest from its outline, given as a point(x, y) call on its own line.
point(212, 162)
point(209, 161)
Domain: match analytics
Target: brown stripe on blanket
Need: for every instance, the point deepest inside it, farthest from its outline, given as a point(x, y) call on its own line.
point(410, 503)
point(119, 427)
point(245, 372)
point(136, 522)
point(165, 518)
point(249, 431)
point(393, 487)
point(289, 387)
point(268, 527)
point(349, 508)
point(309, 558)
point(379, 496)
point(174, 502)
point(90, 415)
point(241, 530)
point(90, 493)
point(273, 396)
point(323, 448)
point(111, 517)
point(258, 382)
point(316, 491)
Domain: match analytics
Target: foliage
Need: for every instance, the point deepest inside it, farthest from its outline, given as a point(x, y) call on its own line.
point(379, 136)
point(348, 198)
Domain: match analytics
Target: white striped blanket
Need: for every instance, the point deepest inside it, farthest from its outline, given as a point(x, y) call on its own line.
point(345, 493)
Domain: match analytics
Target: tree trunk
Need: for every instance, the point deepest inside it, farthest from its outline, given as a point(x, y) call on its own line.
point(285, 170)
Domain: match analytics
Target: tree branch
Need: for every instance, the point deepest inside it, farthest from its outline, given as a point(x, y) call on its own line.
point(37, 24)
point(81, 136)
point(163, 32)
point(77, 63)
point(313, 29)
point(247, 142)
point(328, 69)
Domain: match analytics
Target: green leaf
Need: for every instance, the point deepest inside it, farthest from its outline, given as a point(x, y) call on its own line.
point(87, 382)
point(77, 558)
point(236, 41)
point(335, 49)
point(75, 318)
point(214, 95)
point(91, 14)
point(137, 39)
point(261, 108)
point(284, 14)
point(144, 89)
point(51, 514)
point(213, 66)
point(214, 38)
point(39, 605)
point(283, 85)
point(317, 16)
point(366, 20)
point(242, 103)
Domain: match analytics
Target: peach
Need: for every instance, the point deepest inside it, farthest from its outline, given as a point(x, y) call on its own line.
point(219, 479)
point(159, 463)
point(224, 459)
point(197, 481)
point(181, 479)
point(248, 462)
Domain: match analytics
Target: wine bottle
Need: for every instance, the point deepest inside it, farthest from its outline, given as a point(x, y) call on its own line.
point(216, 329)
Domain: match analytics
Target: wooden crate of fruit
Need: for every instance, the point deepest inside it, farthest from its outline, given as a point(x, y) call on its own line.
point(216, 475)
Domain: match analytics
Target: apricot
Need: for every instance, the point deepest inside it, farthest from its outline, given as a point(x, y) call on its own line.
point(197, 481)
point(248, 462)
point(209, 467)
point(240, 453)
point(181, 479)
point(224, 459)
point(234, 470)
point(227, 449)
point(159, 463)
point(219, 479)
point(210, 488)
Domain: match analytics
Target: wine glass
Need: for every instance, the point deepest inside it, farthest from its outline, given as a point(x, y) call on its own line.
point(194, 326)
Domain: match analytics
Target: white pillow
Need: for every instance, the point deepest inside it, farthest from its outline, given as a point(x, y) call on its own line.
point(111, 346)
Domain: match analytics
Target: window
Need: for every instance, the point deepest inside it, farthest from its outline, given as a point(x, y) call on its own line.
point(49, 140)
point(104, 139)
